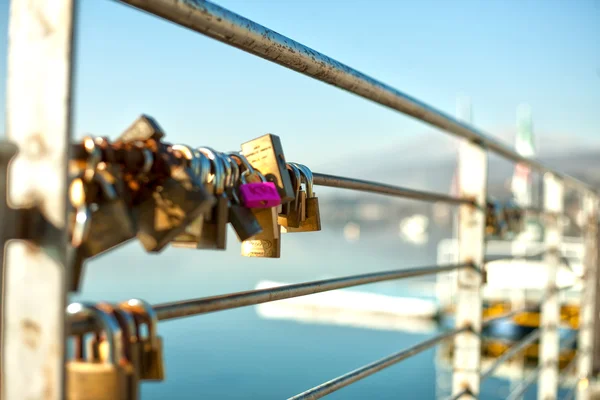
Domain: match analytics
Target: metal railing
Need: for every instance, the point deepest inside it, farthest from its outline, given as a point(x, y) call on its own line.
point(34, 275)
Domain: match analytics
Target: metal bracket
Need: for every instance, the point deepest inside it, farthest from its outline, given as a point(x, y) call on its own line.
point(21, 223)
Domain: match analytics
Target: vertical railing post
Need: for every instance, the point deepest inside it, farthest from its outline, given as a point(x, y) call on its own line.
point(595, 219)
point(472, 178)
point(550, 319)
point(38, 121)
point(587, 312)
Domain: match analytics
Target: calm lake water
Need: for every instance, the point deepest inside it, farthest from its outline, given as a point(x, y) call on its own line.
point(236, 354)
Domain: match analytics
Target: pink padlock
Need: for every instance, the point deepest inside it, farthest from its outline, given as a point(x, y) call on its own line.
point(258, 194)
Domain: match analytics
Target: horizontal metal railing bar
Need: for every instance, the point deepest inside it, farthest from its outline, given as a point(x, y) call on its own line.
point(225, 26)
point(351, 377)
point(526, 341)
point(205, 305)
point(382, 188)
point(520, 390)
point(241, 299)
point(526, 257)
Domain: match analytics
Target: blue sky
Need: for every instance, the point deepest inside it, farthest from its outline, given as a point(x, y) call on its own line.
point(500, 53)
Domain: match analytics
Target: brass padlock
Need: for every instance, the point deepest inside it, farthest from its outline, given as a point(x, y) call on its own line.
point(98, 196)
point(168, 210)
point(241, 218)
point(131, 348)
point(214, 229)
point(201, 168)
point(292, 213)
point(112, 223)
point(96, 380)
point(312, 221)
point(152, 368)
point(265, 153)
point(266, 244)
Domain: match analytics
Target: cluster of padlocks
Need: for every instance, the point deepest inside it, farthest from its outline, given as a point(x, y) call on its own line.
point(503, 220)
point(139, 186)
point(111, 365)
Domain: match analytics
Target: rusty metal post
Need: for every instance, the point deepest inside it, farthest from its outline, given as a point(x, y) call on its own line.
point(550, 319)
point(38, 121)
point(587, 313)
point(472, 178)
point(596, 328)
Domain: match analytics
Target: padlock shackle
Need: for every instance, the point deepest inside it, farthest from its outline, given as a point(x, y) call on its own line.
point(204, 163)
point(148, 160)
point(145, 311)
point(188, 153)
point(128, 325)
point(234, 180)
point(296, 178)
point(218, 173)
point(94, 158)
point(243, 161)
point(82, 227)
point(235, 170)
point(108, 189)
point(227, 171)
point(308, 179)
point(106, 322)
point(296, 182)
point(248, 168)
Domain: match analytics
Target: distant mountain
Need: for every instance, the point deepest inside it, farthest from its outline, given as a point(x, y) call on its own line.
point(417, 166)
point(429, 163)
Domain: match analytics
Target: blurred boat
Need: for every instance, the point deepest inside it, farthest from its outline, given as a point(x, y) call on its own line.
point(354, 308)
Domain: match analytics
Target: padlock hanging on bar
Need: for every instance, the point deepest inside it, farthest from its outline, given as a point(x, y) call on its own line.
point(151, 346)
point(96, 379)
point(241, 218)
point(265, 154)
point(199, 168)
point(312, 220)
point(266, 244)
point(292, 213)
point(214, 230)
point(132, 362)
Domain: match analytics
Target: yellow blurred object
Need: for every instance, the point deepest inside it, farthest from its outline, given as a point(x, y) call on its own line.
point(569, 314)
point(495, 348)
point(103, 350)
point(529, 319)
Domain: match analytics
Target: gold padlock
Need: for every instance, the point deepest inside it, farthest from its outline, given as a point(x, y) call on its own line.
point(94, 379)
point(200, 166)
point(265, 153)
point(292, 213)
point(266, 244)
point(312, 220)
point(152, 363)
point(213, 235)
point(131, 348)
